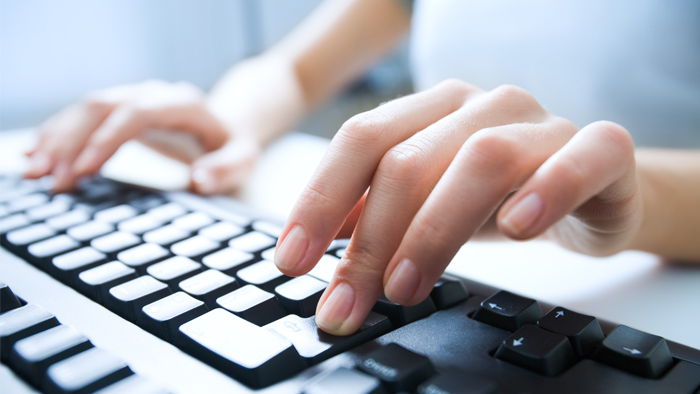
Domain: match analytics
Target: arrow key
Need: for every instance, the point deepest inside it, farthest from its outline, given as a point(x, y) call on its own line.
point(636, 352)
point(583, 331)
point(537, 350)
point(508, 311)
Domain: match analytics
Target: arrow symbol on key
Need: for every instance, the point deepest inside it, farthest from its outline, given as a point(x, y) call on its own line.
point(518, 342)
point(494, 306)
point(560, 313)
point(632, 351)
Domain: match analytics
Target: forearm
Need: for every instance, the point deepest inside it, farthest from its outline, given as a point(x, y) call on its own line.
point(669, 181)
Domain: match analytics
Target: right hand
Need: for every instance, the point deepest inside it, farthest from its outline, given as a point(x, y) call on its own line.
point(81, 138)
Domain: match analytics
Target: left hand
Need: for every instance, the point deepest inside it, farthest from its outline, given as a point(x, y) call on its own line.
point(438, 164)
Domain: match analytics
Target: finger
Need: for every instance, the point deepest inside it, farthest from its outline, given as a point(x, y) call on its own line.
point(489, 165)
point(226, 169)
point(347, 168)
point(352, 219)
point(598, 161)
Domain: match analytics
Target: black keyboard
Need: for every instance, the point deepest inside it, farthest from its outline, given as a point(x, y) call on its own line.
point(121, 289)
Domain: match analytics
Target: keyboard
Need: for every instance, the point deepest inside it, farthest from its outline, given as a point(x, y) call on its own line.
point(115, 288)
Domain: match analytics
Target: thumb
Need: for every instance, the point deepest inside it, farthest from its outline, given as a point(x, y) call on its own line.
point(226, 169)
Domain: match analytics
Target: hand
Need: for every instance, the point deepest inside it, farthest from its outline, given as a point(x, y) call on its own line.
point(438, 164)
point(79, 139)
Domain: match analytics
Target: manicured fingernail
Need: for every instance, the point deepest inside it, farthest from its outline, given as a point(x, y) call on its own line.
point(204, 180)
point(87, 162)
point(292, 249)
point(39, 164)
point(337, 308)
point(403, 282)
point(524, 214)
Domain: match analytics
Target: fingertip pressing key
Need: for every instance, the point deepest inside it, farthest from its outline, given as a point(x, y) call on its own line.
point(336, 309)
point(403, 282)
point(292, 249)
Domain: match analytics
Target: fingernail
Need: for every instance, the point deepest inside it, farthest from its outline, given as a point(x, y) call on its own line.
point(524, 214)
point(403, 282)
point(337, 308)
point(63, 177)
point(293, 248)
point(204, 180)
point(39, 164)
point(87, 162)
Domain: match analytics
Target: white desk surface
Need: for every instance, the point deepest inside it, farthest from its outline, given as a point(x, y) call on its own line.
point(631, 288)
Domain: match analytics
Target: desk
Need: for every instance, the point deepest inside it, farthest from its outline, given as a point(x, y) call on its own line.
point(631, 288)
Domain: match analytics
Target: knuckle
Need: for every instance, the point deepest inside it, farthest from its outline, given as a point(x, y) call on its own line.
point(514, 96)
point(493, 151)
point(433, 233)
point(315, 197)
point(366, 128)
point(404, 163)
point(616, 135)
point(456, 86)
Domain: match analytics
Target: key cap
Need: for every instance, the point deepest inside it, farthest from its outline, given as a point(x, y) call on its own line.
point(269, 228)
point(142, 256)
point(221, 232)
point(174, 270)
point(260, 360)
point(96, 282)
point(45, 211)
point(28, 235)
point(397, 367)
point(448, 292)
point(269, 254)
point(208, 286)
point(20, 323)
point(316, 346)
point(229, 260)
point(26, 202)
point(252, 242)
point(164, 317)
point(133, 384)
point(508, 311)
point(455, 381)
point(252, 304)
point(166, 235)
point(116, 214)
point(537, 350)
point(167, 212)
point(193, 221)
point(195, 247)
point(32, 356)
point(8, 299)
point(401, 315)
point(636, 352)
point(89, 230)
point(85, 373)
point(67, 267)
point(583, 331)
point(346, 381)
point(115, 242)
point(300, 295)
point(128, 298)
point(340, 253)
point(147, 202)
point(325, 268)
point(263, 274)
point(68, 219)
point(139, 224)
point(42, 252)
point(13, 222)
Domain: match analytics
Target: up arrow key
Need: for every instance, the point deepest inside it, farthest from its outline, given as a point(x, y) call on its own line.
point(632, 351)
point(518, 342)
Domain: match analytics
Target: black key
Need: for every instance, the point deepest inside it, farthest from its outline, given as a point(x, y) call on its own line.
point(195, 247)
point(229, 260)
point(20, 323)
point(128, 298)
point(166, 235)
point(508, 311)
point(68, 219)
point(252, 242)
point(300, 295)
point(537, 350)
point(583, 331)
point(89, 230)
point(32, 356)
point(116, 214)
point(66, 267)
point(448, 292)
point(28, 235)
point(167, 212)
point(25, 202)
point(164, 317)
point(174, 270)
point(209, 286)
point(147, 202)
point(133, 384)
point(222, 231)
point(263, 274)
point(42, 252)
point(401, 315)
point(142, 256)
point(8, 299)
point(457, 382)
point(115, 242)
point(13, 222)
point(139, 224)
point(193, 221)
point(262, 358)
point(85, 373)
point(346, 381)
point(43, 212)
point(636, 352)
point(316, 346)
point(252, 304)
point(397, 367)
point(96, 282)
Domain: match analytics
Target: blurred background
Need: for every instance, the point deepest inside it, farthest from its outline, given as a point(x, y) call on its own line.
point(52, 53)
